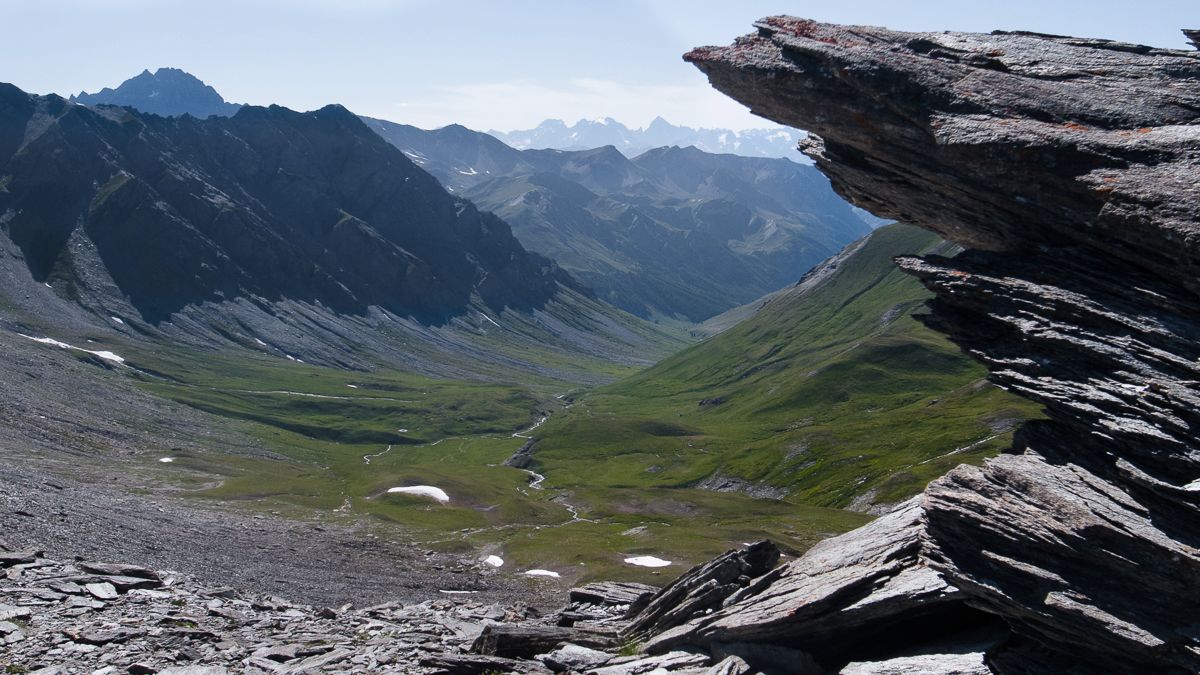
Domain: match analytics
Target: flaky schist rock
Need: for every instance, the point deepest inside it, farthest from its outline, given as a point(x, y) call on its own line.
point(1070, 171)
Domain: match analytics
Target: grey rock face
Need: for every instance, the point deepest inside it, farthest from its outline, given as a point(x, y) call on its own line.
point(1068, 170)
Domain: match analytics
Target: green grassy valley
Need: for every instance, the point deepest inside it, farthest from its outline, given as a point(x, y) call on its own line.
point(335, 442)
point(831, 395)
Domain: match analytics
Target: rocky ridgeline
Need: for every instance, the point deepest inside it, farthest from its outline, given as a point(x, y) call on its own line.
point(1069, 170)
point(87, 617)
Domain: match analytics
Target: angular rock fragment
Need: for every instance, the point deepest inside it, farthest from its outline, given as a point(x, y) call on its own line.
point(101, 590)
point(573, 658)
point(612, 593)
point(730, 665)
point(479, 664)
point(11, 558)
point(677, 661)
point(526, 641)
point(111, 570)
point(8, 613)
point(702, 588)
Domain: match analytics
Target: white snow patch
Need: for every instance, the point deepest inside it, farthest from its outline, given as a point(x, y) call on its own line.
point(542, 573)
point(352, 386)
point(403, 431)
point(647, 561)
point(290, 357)
point(423, 491)
point(490, 320)
point(458, 592)
point(117, 319)
point(167, 460)
point(47, 285)
point(469, 172)
point(494, 561)
point(260, 342)
point(106, 355)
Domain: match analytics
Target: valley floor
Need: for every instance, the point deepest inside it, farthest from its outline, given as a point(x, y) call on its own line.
point(326, 563)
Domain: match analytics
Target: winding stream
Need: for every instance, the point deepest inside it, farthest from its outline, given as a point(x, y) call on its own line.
point(367, 458)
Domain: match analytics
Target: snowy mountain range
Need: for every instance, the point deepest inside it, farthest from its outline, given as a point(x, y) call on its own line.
point(588, 134)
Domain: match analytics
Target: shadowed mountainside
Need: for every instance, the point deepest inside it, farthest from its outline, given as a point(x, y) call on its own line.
point(675, 232)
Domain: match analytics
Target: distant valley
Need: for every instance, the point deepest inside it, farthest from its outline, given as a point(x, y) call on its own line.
point(335, 306)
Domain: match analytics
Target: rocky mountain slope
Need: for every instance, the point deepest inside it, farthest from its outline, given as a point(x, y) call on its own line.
point(301, 234)
point(1066, 167)
point(678, 233)
point(675, 232)
point(590, 134)
point(268, 203)
point(169, 92)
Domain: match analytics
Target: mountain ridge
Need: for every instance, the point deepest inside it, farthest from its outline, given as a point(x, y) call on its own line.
point(725, 228)
point(273, 216)
point(591, 133)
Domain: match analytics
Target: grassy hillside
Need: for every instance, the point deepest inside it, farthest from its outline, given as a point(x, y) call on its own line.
point(831, 395)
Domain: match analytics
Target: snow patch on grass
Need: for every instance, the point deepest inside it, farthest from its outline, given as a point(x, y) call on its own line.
point(647, 561)
point(422, 491)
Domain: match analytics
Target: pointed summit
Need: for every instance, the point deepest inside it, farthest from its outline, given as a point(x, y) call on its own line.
point(169, 92)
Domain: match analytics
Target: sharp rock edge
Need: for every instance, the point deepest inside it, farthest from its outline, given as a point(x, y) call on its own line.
point(1067, 168)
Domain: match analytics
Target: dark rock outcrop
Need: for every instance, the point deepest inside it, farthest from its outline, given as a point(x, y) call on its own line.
point(1068, 170)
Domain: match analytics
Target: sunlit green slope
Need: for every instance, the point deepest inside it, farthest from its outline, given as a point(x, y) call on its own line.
point(830, 394)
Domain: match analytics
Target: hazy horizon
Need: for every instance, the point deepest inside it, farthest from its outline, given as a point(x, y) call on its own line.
point(486, 66)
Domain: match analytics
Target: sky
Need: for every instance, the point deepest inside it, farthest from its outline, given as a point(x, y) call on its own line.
point(487, 64)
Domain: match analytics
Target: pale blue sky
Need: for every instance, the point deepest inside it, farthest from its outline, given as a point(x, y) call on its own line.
point(491, 64)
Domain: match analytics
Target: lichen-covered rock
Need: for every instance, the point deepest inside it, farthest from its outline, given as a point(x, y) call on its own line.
point(1070, 171)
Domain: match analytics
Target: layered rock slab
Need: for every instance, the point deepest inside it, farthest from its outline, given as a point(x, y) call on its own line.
point(1070, 171)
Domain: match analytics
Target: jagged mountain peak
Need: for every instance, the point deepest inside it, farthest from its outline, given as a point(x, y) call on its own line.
point(169, 92)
